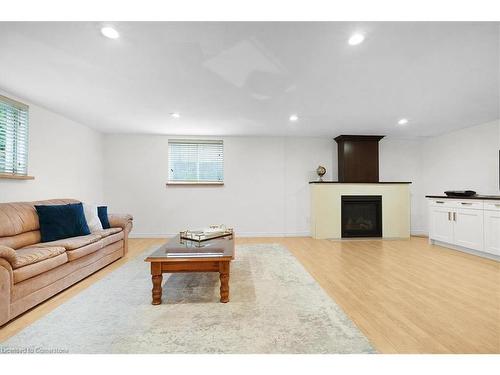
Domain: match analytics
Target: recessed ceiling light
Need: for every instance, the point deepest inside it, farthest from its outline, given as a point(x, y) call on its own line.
point(294, 118)
point(109, 32)
point(403, 121)
point(356, 39)
point(175, 114)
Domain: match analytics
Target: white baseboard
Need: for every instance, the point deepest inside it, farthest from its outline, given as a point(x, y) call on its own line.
point(466, 250)
point(151, 235)
point(419, 233)
point(273, 234)
point(238, 234)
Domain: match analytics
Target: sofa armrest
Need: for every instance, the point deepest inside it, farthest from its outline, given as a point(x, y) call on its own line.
point(123, 221)
point(6, 285)
point(8, 254)
point(7, 267)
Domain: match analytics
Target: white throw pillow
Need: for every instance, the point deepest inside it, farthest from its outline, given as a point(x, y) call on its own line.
point(92, 218)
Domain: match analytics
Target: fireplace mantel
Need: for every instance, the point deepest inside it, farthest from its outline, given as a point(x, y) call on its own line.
point(326, 206)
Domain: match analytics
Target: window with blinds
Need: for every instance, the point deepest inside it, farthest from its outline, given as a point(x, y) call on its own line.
point(13, 137)
point(195, 161)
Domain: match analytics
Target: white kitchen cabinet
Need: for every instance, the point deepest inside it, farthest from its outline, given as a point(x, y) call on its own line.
point(468, 228)
point(441, 226)
point(492, 232)
point(465, 224)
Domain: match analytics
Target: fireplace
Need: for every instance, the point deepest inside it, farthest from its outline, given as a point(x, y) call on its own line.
point(361, 216)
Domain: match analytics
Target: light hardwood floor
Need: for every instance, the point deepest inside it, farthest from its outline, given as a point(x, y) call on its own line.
point(405, 296)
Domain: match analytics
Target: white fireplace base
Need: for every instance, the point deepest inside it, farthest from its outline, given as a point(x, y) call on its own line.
point(326, 221)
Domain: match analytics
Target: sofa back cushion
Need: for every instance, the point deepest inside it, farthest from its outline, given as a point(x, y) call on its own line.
point(92, 217)
point(102, 212)
point(19, 225)
point(61, 221)
point(21, 240)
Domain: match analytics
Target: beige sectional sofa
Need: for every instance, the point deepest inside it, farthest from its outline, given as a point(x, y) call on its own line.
point(31, 272)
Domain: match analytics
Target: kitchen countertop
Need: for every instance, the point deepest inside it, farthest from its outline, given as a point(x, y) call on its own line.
point(481, 197)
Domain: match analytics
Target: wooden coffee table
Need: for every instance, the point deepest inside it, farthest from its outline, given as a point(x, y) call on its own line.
point(185, 256)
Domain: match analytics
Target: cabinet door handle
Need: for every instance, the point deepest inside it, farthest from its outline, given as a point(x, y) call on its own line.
point(449, 216)
point(466, 203)
point(440, 202)
point(454, 216)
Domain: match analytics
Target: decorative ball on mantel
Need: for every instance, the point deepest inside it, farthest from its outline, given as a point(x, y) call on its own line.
point(320, 171)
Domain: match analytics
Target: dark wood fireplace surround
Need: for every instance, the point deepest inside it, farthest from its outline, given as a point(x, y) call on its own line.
point(358, 162)
point(358, 158)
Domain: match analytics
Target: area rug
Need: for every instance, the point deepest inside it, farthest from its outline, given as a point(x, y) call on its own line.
point(275, 307)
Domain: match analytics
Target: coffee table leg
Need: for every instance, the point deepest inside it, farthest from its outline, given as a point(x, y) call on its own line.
point(224, 281)
point(157, 279)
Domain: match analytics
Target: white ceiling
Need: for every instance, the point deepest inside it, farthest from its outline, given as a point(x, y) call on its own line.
point(247, 78)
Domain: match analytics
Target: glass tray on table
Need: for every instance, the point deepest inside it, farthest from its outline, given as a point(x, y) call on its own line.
point(200, 235)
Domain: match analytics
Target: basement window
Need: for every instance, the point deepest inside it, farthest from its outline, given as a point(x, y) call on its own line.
point(14, 118)
point(195, 162)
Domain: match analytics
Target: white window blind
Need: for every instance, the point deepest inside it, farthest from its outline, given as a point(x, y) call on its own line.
point(13, 137)
point(195, 161)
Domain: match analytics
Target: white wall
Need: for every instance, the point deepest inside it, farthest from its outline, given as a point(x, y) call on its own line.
point(65, 158)
point(400, 160)
point(459, 160)
point(464, 159)
point(265, 190)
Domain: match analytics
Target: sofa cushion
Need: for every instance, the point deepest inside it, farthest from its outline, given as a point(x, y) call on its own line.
point(113, 238)
point(84, 250)
point(92, 218)
point(70, 243)
point(78, 267)
point(93, 247)
point(16, 218)
point(32, 255)
point(108, 232)
point(102, 211)
point(21, 240)
point(31, 270)
point(61, 221)
point(20, 217)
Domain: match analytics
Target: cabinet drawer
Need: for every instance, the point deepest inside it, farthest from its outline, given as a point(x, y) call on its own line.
point(470, 204)
point(492, 205)
point(442, 203)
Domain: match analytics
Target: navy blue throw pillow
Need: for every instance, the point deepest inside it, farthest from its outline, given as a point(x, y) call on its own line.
point(102, 212)
point(62, 221)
